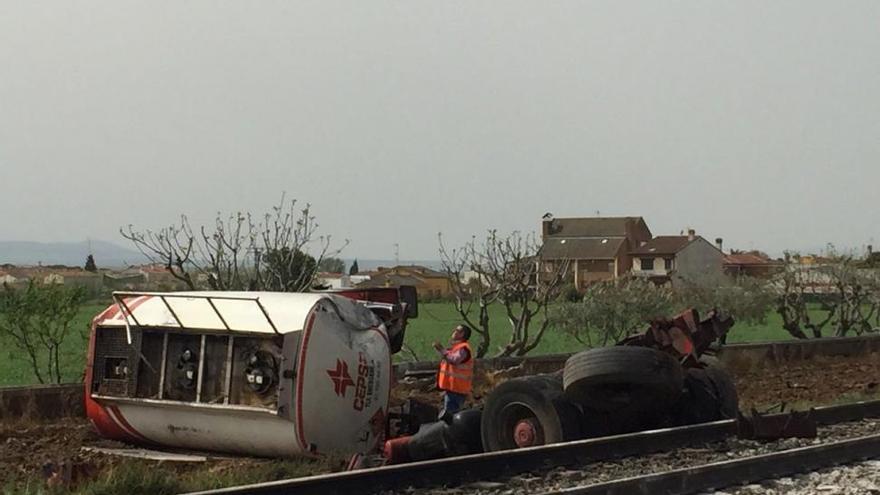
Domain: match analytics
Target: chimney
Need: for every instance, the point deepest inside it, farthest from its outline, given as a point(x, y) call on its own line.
point(691, 234)
point(545, 227)
point(719, 242)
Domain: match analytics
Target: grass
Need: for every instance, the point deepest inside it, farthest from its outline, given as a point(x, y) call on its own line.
point(136, 477)
point(437, 319)
point(15, 367)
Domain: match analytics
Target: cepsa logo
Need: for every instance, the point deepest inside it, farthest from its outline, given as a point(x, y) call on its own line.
point(360, 389)
point(340, 377)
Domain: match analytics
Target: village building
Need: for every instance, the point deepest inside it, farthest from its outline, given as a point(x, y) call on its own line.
point(596, 248)
point(429, 284)
point(751, 264)
point(668, 257)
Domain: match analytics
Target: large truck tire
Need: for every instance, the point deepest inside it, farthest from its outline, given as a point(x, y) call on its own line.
point(528, 411)
point(725, 388)
point(710, 395)
point(433, 441)
point(698, 403)
point(570, 416)
point(728, 400)
point(623, 378)
point(465, 430)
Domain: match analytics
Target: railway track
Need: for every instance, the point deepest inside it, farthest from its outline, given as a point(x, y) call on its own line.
point(745, 470)
point(566, 467)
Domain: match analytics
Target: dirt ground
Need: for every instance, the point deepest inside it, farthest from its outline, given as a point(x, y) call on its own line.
point(52, 455)
point(820, 380)
point(26, 447)
point(53, 450)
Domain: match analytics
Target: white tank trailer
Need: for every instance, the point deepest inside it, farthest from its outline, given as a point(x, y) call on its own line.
point(255, 373)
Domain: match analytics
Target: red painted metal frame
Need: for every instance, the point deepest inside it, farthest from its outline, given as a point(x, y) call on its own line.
point(109, 423)
point(99, 415)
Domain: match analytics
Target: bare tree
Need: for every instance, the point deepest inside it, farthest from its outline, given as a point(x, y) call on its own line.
point(505, 270)
point(472, 294)
point(847, 297)
point(240, 251)
point(792, 302)
point(855, 292)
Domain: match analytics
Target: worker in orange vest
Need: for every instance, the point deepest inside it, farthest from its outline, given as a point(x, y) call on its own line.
point(456, 374)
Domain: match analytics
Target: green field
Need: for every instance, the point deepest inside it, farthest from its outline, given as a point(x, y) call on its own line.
point(435, 323)
point(436, 320)
point(15, 368)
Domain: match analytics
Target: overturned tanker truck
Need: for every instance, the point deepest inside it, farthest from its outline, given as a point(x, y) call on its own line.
point(286, 374)
point(266, 374)
point(662, 377)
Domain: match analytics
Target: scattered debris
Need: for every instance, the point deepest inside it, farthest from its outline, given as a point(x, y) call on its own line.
point(153, 455)
point(684, 336)
point(758, 426)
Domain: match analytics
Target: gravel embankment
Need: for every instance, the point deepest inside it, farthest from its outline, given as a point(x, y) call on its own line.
point(855, 479)
point(571, 476)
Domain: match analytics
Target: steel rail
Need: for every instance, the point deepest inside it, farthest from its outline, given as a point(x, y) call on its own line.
point(719, 475)
point(462, 469)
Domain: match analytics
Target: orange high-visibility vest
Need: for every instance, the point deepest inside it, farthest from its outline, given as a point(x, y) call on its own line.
point(457, 377)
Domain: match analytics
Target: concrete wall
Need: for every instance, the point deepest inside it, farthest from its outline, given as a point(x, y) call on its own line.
point(42, 402)
point(744, 357)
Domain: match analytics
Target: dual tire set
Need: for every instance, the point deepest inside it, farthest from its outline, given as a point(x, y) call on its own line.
point(605, 391)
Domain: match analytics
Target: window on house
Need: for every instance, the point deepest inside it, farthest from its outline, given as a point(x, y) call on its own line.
point(647, 263)
point(667, 264)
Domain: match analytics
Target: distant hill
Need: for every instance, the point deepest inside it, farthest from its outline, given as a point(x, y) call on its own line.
point(107, 254)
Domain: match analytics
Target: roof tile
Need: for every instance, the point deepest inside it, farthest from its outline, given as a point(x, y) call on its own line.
point(581, 249)
point(664, 244)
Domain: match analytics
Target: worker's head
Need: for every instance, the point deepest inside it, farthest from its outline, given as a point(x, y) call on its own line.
point(461, 332)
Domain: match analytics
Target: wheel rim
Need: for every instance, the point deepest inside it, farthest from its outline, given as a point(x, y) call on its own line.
point(520, 427)
point(525, 433)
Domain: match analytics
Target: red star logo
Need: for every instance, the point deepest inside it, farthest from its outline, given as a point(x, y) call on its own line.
point(341, 378)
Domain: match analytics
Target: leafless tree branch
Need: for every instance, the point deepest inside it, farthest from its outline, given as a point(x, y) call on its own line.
point(278, 251)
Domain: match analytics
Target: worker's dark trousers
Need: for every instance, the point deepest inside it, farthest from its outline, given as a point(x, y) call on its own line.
point(452, 403)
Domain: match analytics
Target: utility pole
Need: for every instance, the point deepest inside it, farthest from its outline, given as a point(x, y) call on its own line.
point(396, 254)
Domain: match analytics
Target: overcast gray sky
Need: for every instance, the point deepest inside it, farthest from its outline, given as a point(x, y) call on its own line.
point(758, 122)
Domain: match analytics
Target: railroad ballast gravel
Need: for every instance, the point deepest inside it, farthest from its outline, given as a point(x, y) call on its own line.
point(861, 478)
point(571, 476)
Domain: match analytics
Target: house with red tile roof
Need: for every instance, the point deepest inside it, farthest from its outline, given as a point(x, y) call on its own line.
point(429, 284)
point(752, 263)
